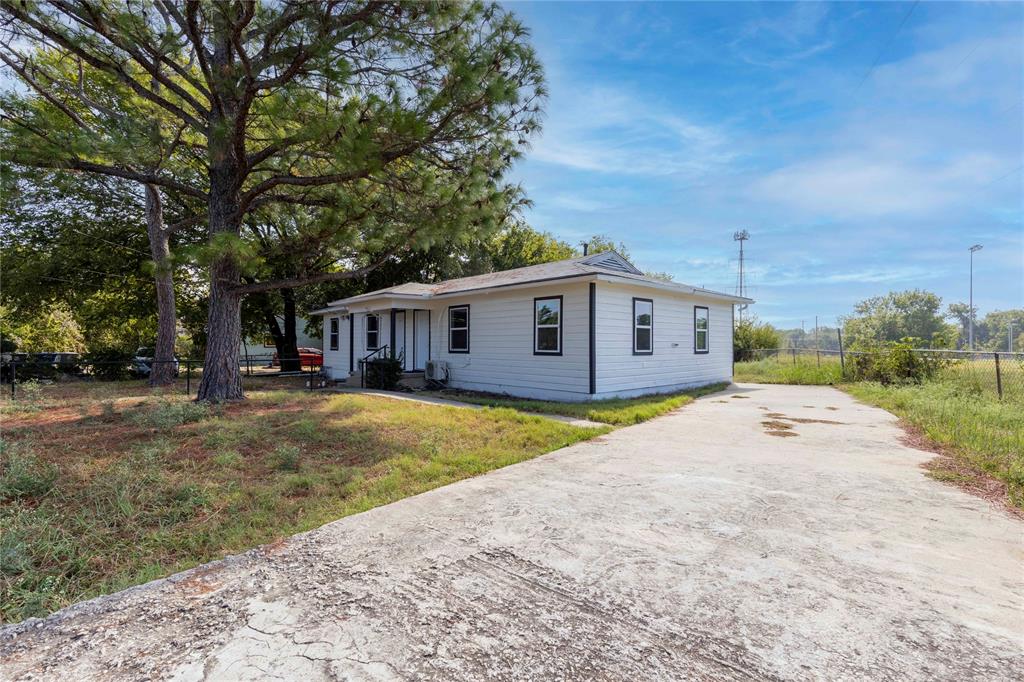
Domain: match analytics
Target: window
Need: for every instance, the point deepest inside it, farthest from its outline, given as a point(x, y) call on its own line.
point(700, 329)
point(334, 334)
point(547, 319)
point(643, 326)
point(372, 331)
point(458, 329)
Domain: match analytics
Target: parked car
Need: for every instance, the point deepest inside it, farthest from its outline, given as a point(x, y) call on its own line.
point(308, 357)
point(7, 362)
point(142, 363)
point(67, 363)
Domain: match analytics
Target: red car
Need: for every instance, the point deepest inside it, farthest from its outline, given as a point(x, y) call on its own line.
point(308, 357)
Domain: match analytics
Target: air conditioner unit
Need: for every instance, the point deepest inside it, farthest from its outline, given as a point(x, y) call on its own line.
point(436, 370)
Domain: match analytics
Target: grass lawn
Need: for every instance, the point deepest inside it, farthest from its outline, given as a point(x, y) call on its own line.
point(973, 427)
point(103, 486)
point(616, 411)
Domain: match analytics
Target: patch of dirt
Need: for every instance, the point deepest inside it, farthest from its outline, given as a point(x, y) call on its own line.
point(946, 468)
point(832, 408)
point(809, 407)
point(776, 425)
point(201, 581)
point(719, 401)
point(743, 397)
point(776, 415)
point(806, 420)
point(783, 434)
point(275, 547)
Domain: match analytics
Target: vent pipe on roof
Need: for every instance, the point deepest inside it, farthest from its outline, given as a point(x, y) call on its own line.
point(586, 247)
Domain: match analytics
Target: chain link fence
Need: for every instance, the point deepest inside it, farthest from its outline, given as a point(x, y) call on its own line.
point(1000, 374)
point(259, 372)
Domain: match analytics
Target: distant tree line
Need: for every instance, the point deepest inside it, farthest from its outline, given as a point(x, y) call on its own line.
point(914, 314)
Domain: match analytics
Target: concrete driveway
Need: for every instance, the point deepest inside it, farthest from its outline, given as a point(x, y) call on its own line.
point(695, 546)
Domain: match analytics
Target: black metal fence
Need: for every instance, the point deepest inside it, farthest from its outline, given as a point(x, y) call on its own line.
point(258, 371)
point(996, 373)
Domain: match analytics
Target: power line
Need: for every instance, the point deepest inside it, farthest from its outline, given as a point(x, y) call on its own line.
point(106, 241)
point(888, 43)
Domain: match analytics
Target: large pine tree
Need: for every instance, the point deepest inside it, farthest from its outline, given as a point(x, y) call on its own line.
point(359, 108)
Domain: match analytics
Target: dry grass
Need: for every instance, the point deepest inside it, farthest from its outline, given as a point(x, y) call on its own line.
point(104, 486)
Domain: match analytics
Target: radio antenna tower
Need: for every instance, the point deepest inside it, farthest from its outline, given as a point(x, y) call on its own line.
point(741, 281)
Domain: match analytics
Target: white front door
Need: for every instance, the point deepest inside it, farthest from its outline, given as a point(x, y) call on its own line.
point(421, 339)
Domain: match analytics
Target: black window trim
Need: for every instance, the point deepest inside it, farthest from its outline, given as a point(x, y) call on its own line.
point(561, 324)
point(450, 349)
point(333, 333)
point(366, 331)
point(637, 299)
point(707, 332)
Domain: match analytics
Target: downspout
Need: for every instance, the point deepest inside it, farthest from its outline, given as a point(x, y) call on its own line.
point(593, 338)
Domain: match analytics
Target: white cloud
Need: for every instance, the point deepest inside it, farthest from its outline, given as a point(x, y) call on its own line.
point(576, 202)
point(876, 183)
point(609, 130)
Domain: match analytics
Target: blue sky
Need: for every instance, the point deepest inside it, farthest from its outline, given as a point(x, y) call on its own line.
point(865, 147)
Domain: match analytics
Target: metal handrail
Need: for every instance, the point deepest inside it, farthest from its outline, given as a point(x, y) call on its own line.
point(367, 358)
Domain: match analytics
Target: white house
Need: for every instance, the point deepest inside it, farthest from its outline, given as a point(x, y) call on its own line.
point(579, 329)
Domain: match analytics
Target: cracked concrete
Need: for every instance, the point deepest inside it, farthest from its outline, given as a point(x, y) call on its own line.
point(694, 546)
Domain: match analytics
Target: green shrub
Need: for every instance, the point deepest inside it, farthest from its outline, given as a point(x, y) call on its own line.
point(749, 336)
point(894, 363)
point(109, 364)
point(383, 373)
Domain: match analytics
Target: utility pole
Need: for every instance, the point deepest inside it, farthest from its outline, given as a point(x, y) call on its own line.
point(1009, 336)
point(741, 283)
point(970, 305)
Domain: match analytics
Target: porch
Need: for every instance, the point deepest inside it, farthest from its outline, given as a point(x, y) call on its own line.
point(356, 336)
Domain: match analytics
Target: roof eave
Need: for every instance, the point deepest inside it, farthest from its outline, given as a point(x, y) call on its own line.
point(677, 287)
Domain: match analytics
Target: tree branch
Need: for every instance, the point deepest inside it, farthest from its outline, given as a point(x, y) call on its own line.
point(50, 97)
point(273, 285)
point(112, 68)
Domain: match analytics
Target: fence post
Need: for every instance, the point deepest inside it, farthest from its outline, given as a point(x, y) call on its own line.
point(842, 355)
point(793, 351)
point(999, 378)
point(817, 354)
point(14, 377)
point(188, 377)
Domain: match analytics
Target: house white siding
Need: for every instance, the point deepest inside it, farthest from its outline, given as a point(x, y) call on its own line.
point(336, 361)
point(501, 355)
point(673, 364)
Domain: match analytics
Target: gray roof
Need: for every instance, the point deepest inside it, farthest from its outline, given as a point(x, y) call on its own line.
point(605, 263)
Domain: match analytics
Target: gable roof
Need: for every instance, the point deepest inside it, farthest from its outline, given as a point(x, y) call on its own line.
point(607, 263)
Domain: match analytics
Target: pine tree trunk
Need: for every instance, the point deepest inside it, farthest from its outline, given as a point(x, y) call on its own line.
point(289, 341)
point(163, 370)
point(222, 376)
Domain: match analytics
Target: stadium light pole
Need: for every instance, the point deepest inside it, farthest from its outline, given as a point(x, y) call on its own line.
point(970, 305)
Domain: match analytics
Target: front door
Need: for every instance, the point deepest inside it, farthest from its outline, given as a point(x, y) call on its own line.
point(421, 339)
